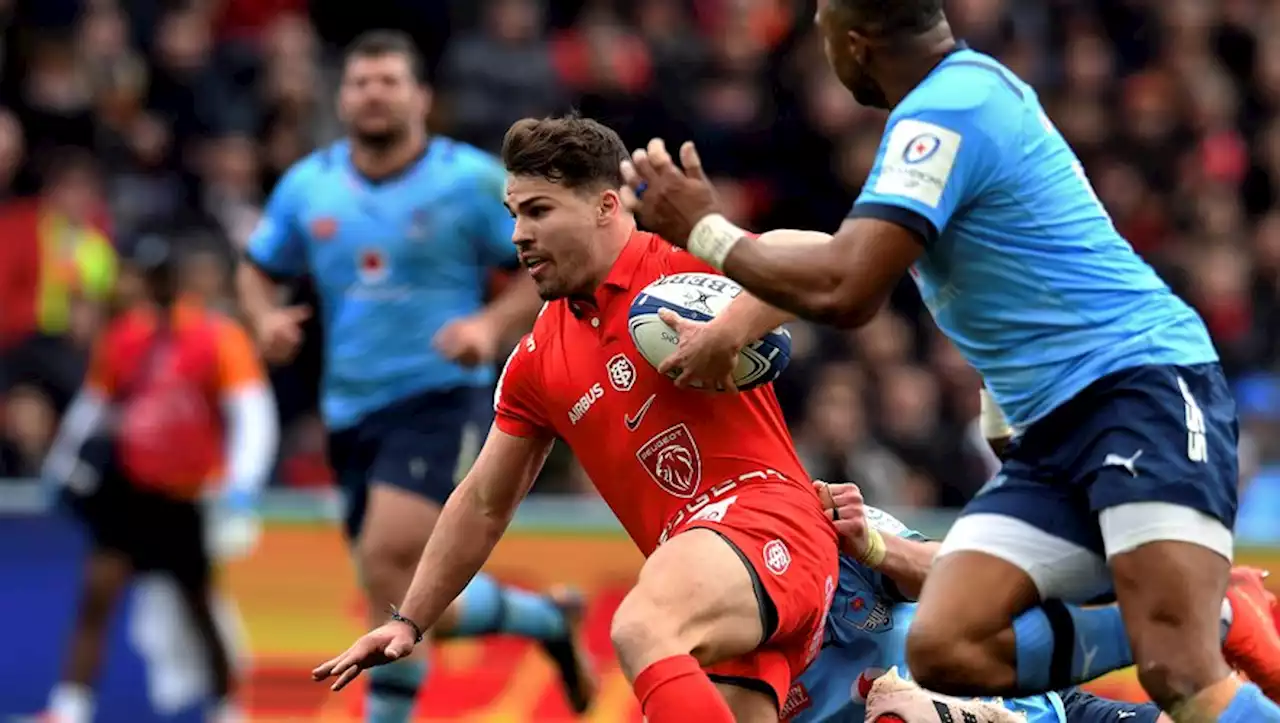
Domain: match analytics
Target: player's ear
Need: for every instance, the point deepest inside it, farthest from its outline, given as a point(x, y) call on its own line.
point(425, 98)
point(610, 205)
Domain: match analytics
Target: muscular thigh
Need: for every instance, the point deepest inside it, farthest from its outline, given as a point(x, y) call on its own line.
point(697, 588)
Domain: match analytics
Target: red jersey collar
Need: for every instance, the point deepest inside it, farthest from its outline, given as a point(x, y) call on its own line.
point(621, 275)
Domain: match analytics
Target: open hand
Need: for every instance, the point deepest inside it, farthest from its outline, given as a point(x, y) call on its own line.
point(705, 357)
point(393, 641)
point(668, 200)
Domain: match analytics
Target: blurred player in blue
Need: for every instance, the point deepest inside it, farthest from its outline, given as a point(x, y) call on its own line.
point(399, 232)
point(872, 613)
point(1123, 473)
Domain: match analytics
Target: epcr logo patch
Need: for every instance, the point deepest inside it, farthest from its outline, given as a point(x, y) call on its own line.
point(921, 148)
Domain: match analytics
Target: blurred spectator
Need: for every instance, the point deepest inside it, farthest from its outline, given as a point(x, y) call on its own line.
point(499, 73)
point(56, 274)
point(192, 111)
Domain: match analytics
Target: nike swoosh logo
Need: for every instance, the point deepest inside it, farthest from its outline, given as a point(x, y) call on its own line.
point(633, 423)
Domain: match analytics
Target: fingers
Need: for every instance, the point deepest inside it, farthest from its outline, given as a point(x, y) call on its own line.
point(727, 384)
point(671, 319)
point(643, 165)
point(691, 161)
point(325, 669)
point(659, 157)
point(345, 678)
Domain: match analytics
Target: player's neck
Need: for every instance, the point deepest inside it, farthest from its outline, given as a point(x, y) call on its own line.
point(610, 247)
point(380, 164)
point(917, 62)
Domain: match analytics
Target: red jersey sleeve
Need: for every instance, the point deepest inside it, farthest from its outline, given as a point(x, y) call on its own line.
point(517, 405)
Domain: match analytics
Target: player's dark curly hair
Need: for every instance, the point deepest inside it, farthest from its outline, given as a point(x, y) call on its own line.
point(891, 18)
point(379, 43)
point(573, 151)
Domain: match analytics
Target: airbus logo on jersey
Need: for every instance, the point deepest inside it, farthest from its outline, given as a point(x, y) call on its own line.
point(583, 405)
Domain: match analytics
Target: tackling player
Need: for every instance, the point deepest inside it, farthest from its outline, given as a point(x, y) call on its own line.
point(731, 602)
point(1124, 473)
point(400, 232)
point(882, 568)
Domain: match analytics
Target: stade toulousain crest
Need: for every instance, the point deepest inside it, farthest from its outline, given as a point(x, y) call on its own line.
point(622, 373)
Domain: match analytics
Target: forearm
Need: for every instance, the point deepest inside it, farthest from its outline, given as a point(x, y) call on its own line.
point(252, 439)
point(515, 309)
point(461, 542)
point(256, 290)
point(748, 318)
point(995, 426)
point(807, 281)
point(907, 562)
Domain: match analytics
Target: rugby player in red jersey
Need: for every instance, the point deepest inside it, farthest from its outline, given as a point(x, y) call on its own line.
point(731, 602)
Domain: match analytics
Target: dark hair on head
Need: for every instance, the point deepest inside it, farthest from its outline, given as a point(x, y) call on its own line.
point(891, 18)
point(379, 43)
point(572, 151)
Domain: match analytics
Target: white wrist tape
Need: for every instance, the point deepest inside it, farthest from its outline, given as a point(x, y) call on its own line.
point(713, 238)
point(994, 424)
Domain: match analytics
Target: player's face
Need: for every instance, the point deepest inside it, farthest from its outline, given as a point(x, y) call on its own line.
point(847, 52)
point(380, 99)
point(556, 234)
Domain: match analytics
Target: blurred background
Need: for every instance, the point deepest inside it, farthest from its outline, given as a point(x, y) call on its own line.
point(122, 117)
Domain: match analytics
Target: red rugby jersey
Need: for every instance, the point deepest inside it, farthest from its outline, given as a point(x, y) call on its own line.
point(650, 448)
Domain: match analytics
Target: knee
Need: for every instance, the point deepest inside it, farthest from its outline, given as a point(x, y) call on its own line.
point(946, 660)
point(1171, 667)
point(386, 566)
point(642, 633)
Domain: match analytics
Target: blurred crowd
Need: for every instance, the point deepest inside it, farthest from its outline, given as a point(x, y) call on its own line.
point(179, 116)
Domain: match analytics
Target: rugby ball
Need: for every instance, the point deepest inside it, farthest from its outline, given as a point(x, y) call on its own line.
point(700, 297)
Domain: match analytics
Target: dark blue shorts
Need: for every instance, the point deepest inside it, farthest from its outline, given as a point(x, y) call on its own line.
point(1147, 434)
point(1082, 707)
point(413, 444)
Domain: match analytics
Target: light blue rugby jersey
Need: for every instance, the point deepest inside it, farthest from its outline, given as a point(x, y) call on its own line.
point(866, 636)
point(393, 261)
point(1024, 269)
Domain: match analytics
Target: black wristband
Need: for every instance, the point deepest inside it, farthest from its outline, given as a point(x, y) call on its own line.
point(418, 633)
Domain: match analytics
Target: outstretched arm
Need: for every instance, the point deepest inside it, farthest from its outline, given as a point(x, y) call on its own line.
point(472, 522)
point(844, 282)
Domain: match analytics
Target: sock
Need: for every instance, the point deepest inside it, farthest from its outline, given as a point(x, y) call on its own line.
point(676, 690)
point(72, 703)
point(1059, 645)
point(393, 689)
point(488, 607)
point(1250, 706)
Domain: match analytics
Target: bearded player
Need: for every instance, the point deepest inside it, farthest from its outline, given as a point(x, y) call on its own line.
point(731, 602)
point(399, 232)
point(1123, 475)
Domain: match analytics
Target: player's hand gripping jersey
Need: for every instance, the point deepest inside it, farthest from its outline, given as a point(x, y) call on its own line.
point(866, 636)
point(1024, 269)
point(393, 262)
point(667, 460)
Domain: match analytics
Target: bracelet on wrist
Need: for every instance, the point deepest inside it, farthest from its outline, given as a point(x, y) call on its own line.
point(712, 238)
point(418, 632)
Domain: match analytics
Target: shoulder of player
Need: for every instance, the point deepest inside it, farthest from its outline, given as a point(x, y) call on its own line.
point(314, 164)
point(975, 93)
point(467, 162)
